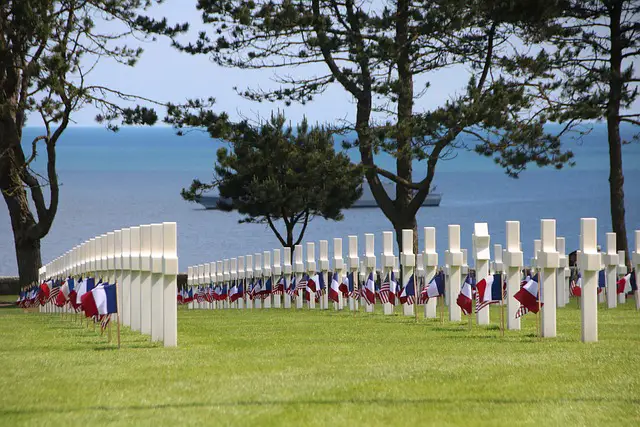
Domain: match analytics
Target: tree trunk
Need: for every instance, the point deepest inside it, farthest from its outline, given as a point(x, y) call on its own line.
point(404, 133)
point(408, 223)
point(22, 221)
point(616, 177)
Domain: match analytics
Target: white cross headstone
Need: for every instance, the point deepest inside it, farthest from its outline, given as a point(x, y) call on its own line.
point(288, 270)
point(233, 266)
point(242, 282)
point(220, 281)
point(311, 269)
point(354, 263)
point(408, 261)
point(590, 263)
point(298, 267)
point(482, 257)
point(257, 273)
point(388, 262)
point(250, 279)
point(324, 269)
point(611, 261)
point(125, 289)
point(548, 260)
point(338, 267)
point(514, 262)
point(430, 260)
point(561, 278)
point(266, 272)
point(453, 257)
point(369, 263)
point(145, 279)
point(622, 270)
point(226, 280)
point(277, 273)
point(170, 271)
point(136, 277)
point(636, 263)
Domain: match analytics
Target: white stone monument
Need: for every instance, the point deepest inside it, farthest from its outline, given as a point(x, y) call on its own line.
point(430, 261)
point(288, 270)
point(311, 269)
point(266, 273)
point(125, 289)
point(453, 257)
point(388, 262)
point(277, 273)
point(622, 270)
point(338, 267)
point(241, 282)
point(590, 263)
point(408, 261)
point(636, 263)
point(561, 280)
point(548, 260)
point(324, 270)
point(514, 262)
point(250, 279)
point(482, 257)
point(170, 271)
point(354, 264)
point(298, 267)
point(611, 261)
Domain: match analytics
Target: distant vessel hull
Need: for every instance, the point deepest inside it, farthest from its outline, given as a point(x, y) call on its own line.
point(365, 201)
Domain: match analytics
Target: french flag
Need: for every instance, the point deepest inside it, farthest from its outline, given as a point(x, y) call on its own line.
point(528, 295)
point(485, 293)
point(233, 292)
point(267, 289)
point(602, 280)
point(311, 286)
point(84, 286)
point(465, 297)
point(101, 300)
point(369, 290)
point(434, 288)
point(408, 292)
point(344, 286)
point(623, 283)
point(334, 289)
point(576, 287)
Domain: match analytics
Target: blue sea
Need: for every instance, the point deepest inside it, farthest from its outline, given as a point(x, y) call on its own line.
point(115, 180)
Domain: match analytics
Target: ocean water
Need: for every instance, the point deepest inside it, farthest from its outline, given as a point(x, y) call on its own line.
point(110, 181)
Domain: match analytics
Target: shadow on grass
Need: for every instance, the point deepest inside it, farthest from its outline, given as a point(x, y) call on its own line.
point(326, 402)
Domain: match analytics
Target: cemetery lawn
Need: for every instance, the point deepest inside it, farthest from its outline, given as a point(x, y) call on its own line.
point(303, 368)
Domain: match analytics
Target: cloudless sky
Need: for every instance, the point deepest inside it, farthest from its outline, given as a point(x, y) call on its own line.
point(165, 74)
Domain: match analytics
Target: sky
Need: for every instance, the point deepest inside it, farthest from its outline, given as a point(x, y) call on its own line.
point(165, 74)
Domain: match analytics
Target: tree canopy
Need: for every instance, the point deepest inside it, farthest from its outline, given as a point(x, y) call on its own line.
point(274, 172)
point(48, 49)
point(382, 54)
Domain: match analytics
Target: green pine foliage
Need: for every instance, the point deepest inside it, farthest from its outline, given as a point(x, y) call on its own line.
point(273, 172)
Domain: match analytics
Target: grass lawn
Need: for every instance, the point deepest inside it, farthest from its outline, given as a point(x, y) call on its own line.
point(295, 368)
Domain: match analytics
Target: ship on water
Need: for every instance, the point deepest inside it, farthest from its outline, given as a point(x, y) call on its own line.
point(365, 201)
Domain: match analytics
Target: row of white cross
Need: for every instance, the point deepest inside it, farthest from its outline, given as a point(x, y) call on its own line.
point(550, 261)
point(143, 262)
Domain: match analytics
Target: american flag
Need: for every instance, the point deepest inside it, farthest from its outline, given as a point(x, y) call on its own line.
point(53, 293)
point(279, 288)
point(302, 284)
point(522, 310)
point(384, 290)
point(200, 294)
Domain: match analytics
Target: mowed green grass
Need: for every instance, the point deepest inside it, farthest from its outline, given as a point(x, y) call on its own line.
point(293, 368)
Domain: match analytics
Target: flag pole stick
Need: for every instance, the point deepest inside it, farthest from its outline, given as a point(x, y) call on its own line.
point(539, 303)
point(117, 315)
point(502, 289)
point(109, 326)
point(471, 313)
point(417, 298)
